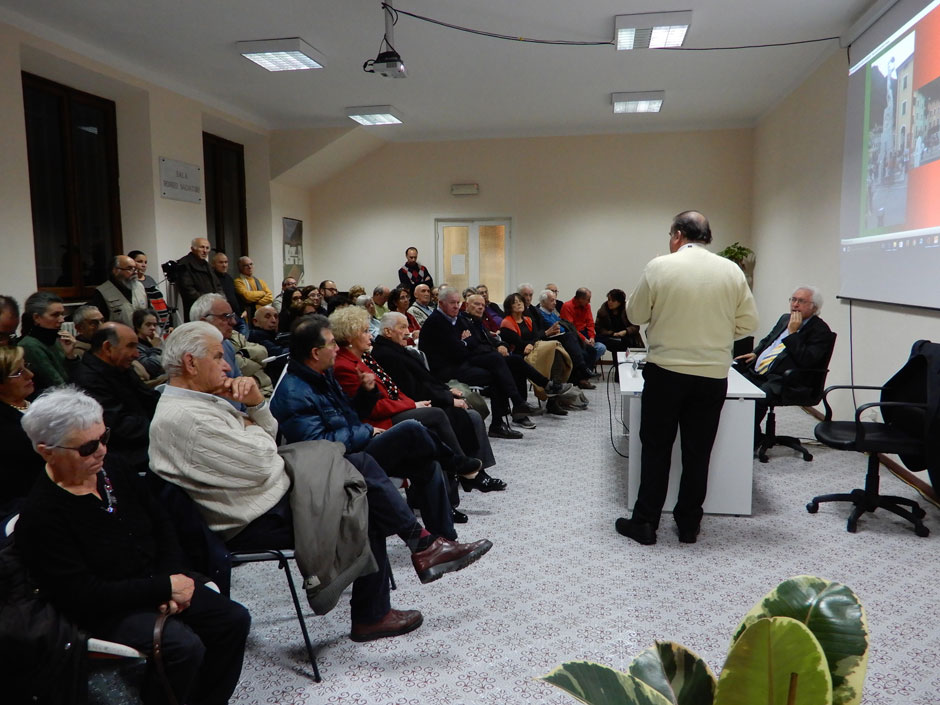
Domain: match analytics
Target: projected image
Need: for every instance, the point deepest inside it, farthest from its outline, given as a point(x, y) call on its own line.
point(891, 124)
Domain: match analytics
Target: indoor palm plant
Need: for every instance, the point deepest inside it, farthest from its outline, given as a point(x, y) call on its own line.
point(804, 643)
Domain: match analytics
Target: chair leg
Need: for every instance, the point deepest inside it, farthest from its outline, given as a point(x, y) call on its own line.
point(284, 564)
point(771, 439)
point(868, 500)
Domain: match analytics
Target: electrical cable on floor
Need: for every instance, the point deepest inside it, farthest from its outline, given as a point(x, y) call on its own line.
point(612, 408)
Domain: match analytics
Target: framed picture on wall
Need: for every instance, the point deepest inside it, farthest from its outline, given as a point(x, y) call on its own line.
point(293, 248)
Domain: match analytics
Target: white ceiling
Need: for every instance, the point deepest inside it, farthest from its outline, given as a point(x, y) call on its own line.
point(459, 85)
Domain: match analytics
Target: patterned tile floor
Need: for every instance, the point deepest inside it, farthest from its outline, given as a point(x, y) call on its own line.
point(561, 584)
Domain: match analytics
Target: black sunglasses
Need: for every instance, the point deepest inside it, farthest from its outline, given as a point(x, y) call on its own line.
point(86, 449)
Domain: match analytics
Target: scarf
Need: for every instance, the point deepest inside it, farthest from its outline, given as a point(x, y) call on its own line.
point(390, 387)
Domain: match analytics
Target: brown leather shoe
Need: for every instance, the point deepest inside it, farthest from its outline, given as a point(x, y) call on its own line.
point(395, 623)
point(445, 556)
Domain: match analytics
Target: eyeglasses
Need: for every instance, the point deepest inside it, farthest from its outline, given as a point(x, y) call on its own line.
point(330, 288)
point(19, 373)
point(86, 449)
point(229, 316)
point(126, 269)
point(331, 344)
point(794, 300)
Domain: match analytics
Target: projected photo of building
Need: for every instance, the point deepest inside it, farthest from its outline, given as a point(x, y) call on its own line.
point(891, 107)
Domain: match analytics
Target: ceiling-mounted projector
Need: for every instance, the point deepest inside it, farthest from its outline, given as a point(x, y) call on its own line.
point(388, 64)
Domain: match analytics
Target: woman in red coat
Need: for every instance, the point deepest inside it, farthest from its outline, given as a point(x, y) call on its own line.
point(355, 366)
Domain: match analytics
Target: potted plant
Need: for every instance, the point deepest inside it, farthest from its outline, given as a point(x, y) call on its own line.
point(804, 643)
point(743, 257)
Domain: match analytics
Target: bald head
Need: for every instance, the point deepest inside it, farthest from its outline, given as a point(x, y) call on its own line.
point(266, 318)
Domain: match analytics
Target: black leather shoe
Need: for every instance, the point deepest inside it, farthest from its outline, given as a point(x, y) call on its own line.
point(689, 535)
point(459, 517)
point(585, 384)
point(482, 482)
point(503, 431)
point(464, 465)
point(640, 531)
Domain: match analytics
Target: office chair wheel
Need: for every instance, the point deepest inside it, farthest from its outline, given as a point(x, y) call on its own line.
point(812, 507)
point(807, 457)
point(921, 530)
point(852, 526)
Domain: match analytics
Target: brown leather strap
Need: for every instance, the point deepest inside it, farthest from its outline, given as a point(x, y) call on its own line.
point(158, 656)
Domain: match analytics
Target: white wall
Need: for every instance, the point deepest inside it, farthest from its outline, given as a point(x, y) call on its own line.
point(797, 188)
point(586, 211)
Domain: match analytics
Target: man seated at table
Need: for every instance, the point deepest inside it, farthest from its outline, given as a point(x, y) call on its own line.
point(799, 340)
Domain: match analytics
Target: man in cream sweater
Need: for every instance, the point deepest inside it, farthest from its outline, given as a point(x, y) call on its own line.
point(696, 304)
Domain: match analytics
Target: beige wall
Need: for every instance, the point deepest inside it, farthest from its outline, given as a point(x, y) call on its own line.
point(797, 189)
point(585, 211)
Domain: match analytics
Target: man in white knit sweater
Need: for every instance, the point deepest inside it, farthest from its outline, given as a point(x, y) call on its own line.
point(696, 304)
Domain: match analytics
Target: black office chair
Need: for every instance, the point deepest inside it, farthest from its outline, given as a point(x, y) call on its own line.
point(800, 388)
point(910, 427)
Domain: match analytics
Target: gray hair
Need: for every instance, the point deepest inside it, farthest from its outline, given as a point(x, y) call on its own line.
point(192, 243)
point(79, 316)
point(379, 290)
point(388, 320)
point(57, 413)
point(202, 306)
point(193, 338)
point(444, 291)
point(362, 299)
point(524, 285)
point(468, 292)
point(815, 293)
point(544, 294)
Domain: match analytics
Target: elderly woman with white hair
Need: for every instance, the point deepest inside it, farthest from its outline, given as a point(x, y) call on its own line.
point(103, 552)
point(416, 381)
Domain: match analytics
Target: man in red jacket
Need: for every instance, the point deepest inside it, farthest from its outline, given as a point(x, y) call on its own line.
point(577, 311)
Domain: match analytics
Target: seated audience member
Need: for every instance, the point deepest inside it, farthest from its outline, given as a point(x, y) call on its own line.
point(559, 302)
point(291, 310)
point(380, 299)
point(613, 328)
point(149, 346)
point(264, 331)
point(310, 405)
point(407, 371)
point(338, 301)
point(22, 464)
point(86, 319)
point(361, 376)
point(252, 291)
point(547, 312)
point(399, 302)
point(103, 551)
point(195, 275)
point(364, 302)
point(413, 273)
point(155, 299)
point(453, 354)
point(9, 320)
point(355, 291)
point(526, 341)
point(316, 298)
point(288, 283)
point(327, 289)
point(520, 370)
point(229, 464)
point(799, 340)
point(435, 295)
point(492, 313)
point(121, 294)
point(105, 373)
point(577, 311)
point(220, 265)
point(49, 350)
point(421, 308)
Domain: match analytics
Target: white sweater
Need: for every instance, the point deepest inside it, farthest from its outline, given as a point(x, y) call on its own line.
point(697, 304)
point(232, 471)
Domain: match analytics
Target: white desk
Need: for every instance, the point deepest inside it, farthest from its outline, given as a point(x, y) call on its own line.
point(730, 475)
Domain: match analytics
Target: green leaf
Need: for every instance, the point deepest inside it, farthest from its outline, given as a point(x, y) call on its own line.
point(597, 684)
point(679, 674)
point(834, 615)
point(772, 657)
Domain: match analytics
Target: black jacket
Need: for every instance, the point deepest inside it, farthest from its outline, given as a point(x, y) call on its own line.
point(128, 407)
point(409, 374)
point(440, 342)
point(21, 464)
point(196, 278)
point(808, 348)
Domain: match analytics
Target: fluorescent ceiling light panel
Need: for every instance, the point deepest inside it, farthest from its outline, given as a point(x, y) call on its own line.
point(374, 115)
point(293, 54)
point(646, 102)
point(651, 30)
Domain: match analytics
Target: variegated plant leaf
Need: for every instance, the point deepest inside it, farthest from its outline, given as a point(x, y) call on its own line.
point(834, 615)
point(773, 657)
point(596, 684)
point(676, 672)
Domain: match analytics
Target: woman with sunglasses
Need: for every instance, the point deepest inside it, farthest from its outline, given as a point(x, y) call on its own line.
point(47, 348)
point(102, 550)
point(22, 464)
